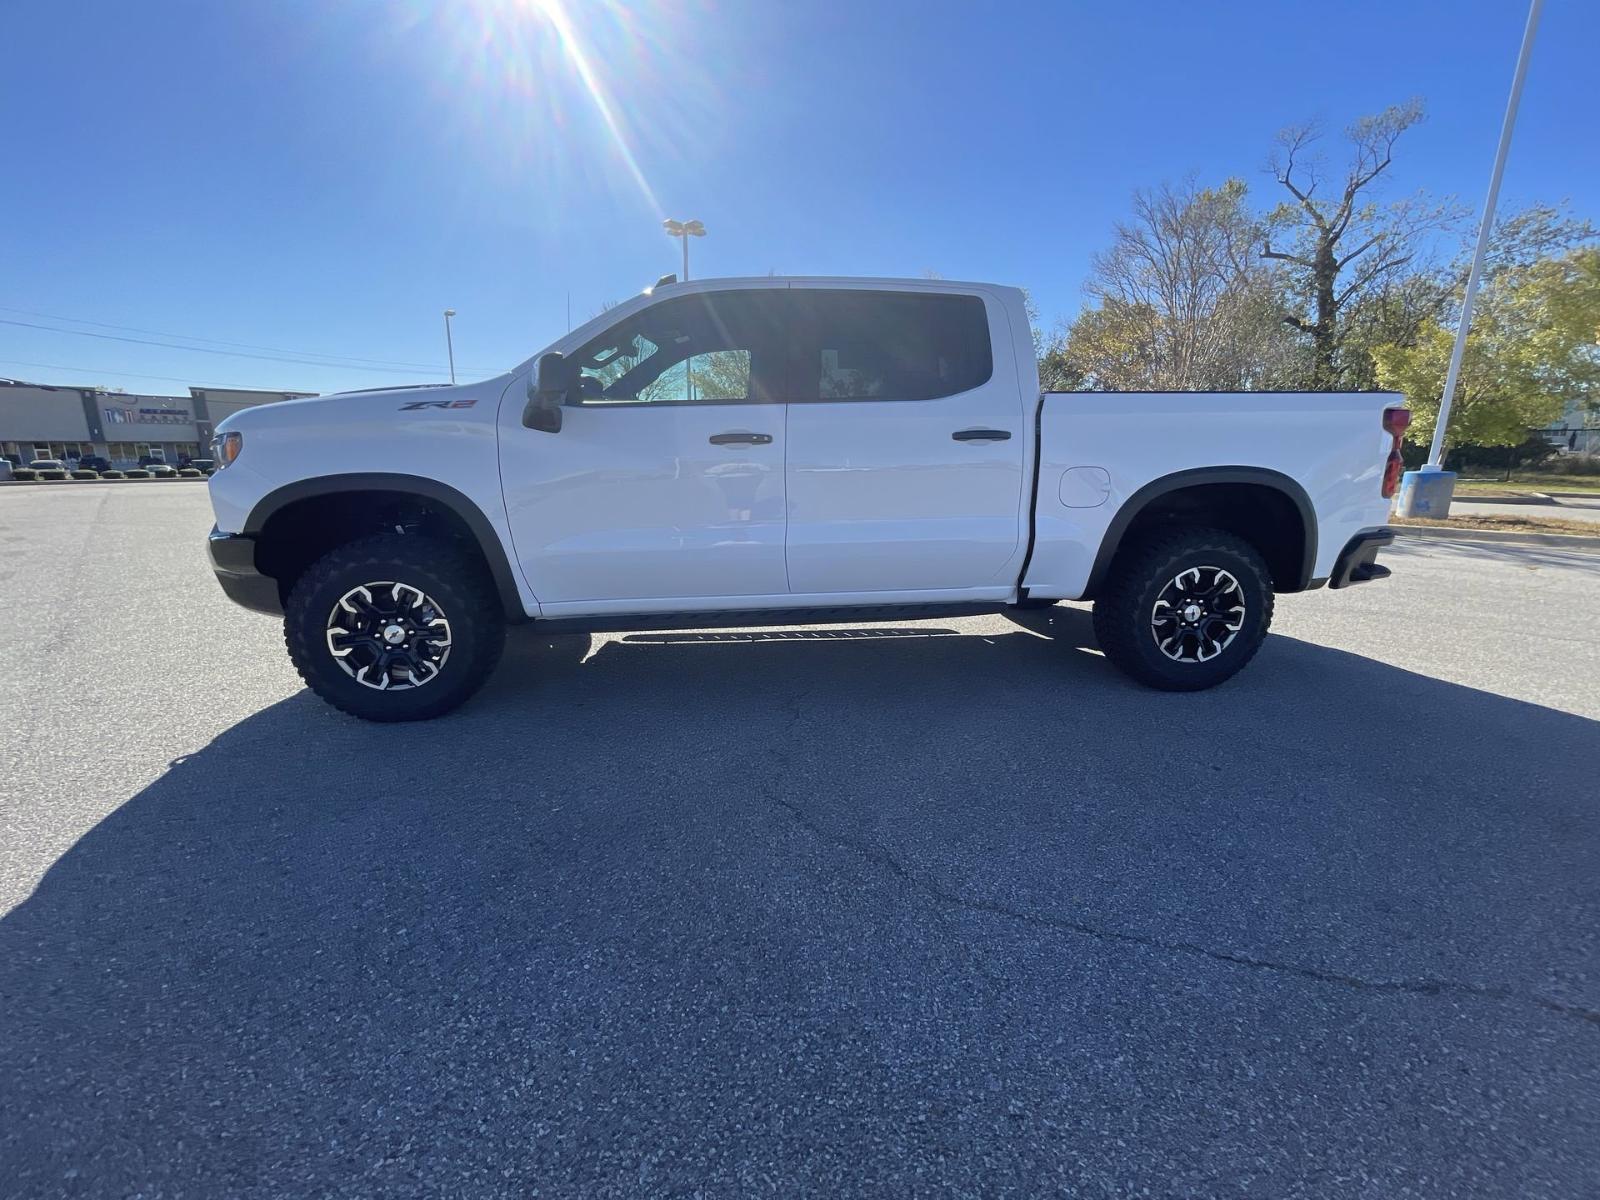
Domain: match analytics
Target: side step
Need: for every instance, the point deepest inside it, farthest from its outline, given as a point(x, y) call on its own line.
point(760, 618)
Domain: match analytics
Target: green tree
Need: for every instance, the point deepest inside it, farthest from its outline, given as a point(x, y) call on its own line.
point(1534, 345)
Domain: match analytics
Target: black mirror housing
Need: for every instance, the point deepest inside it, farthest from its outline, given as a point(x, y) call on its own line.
point(554, 382)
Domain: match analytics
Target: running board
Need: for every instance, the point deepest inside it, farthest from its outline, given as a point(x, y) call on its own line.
point(762, 617)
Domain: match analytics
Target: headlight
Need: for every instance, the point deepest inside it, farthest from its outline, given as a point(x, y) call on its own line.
point(225, 448)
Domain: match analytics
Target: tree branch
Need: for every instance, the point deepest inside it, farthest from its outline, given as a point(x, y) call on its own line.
point(1268, 252)
point(1362, 249)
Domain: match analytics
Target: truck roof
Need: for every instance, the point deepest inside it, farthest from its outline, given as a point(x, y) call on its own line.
point(855, 280)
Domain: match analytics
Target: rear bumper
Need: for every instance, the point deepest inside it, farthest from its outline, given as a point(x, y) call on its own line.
point(1358, 561)
point(233, 559)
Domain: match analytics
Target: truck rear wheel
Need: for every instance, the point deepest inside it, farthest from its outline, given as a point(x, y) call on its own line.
point(1186, 610)
point(394, 627)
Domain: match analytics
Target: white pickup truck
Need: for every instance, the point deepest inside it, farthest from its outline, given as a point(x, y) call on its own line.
point(766, 451)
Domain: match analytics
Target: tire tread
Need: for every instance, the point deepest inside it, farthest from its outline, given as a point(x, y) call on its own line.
point(1119, 615)
point(388, 554)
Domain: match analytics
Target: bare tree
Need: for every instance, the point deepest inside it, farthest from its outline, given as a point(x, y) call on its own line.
point(1341, 248)
point(1179, 300)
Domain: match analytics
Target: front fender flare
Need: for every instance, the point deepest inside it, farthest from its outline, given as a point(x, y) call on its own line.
point(472, 516)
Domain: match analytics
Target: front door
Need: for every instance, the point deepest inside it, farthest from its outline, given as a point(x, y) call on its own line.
point(666, 481)
point(907, 440)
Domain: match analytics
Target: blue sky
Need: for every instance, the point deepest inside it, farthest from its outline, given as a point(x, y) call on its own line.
point(323, 178)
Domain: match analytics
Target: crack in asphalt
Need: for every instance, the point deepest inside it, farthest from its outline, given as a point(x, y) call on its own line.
point(1415, 987)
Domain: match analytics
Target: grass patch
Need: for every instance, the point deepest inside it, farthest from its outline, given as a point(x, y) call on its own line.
point(1522, 484)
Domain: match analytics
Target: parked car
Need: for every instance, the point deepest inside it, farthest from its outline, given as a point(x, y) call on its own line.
point(206, 466)
point(48, 468)
point(767, 451)
point(94, 462)
point(161, 470)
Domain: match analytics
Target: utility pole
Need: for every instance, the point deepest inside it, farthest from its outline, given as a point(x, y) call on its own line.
point(684, 230)
point(448, 345)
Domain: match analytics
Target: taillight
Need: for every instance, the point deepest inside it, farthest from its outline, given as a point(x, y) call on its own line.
point(1395, 423)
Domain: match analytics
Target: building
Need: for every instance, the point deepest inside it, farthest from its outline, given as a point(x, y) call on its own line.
point(45, 421)
point(1578, 431)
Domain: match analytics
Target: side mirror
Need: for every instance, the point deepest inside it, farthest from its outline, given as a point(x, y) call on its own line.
point(554, 383)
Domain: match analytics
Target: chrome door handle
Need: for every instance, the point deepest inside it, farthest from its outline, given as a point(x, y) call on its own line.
point(981, 435)
point(740, 439)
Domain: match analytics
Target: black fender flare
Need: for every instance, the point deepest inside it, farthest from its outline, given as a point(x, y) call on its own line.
point(1156, 488)
point(442, 494)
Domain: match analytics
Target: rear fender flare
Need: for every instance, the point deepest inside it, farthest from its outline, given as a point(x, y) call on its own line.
point(1178, 480)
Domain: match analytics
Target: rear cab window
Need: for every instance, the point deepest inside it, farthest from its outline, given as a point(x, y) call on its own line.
point(870, 345)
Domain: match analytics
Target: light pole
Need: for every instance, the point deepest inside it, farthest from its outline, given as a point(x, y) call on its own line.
point(449, 346)
point(1436, 452)
point(684, 230)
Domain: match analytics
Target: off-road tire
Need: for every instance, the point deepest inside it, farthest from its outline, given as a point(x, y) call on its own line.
point(1124, 610)
point(457, 582)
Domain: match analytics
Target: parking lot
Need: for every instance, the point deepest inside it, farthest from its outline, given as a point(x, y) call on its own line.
point(940, 908)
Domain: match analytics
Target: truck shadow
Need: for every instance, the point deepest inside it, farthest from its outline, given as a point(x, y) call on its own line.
point(798, 901)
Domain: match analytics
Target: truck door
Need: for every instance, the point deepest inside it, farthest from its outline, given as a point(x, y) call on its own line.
point(907, 438)
point(666, 481)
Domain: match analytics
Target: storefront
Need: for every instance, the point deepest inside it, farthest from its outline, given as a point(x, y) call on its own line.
point(144, 429)
point(42, 421)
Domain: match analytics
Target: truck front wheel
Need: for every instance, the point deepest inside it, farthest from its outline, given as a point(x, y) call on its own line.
point(394, 627)
point(1185, 610)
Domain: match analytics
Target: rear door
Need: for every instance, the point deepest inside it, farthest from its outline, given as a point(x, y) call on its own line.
point(906, 442)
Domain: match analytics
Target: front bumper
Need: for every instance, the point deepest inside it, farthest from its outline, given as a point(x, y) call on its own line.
point(233, 559)
point(1358, 561)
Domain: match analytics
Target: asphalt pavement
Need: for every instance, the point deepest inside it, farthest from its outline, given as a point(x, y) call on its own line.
point(942, 908)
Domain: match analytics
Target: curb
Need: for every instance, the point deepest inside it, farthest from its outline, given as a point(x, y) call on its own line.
point(1565, 541)
point(1518, 498)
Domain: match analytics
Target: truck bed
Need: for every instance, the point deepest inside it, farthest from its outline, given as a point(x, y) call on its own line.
point(1103, 455)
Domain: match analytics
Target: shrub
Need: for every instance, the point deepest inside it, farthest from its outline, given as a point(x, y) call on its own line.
point(1574, 464)
point(188, 473)
point(80, 473)
point(1532, 454)
point(136, 473)
point(112, 474)
point(26, 474)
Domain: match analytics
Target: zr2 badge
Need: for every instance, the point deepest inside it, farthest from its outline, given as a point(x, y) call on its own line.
point(414, 405)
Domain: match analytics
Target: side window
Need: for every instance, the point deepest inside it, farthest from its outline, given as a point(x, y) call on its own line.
point(715, 347)
point(865, 345)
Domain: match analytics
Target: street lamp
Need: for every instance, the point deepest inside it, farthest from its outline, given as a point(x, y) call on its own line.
point(1432, 488)
point(448, 345)
point(684, 230)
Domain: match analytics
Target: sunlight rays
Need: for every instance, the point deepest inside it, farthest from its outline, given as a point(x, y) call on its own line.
point(555, 12)
point(582, 99)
